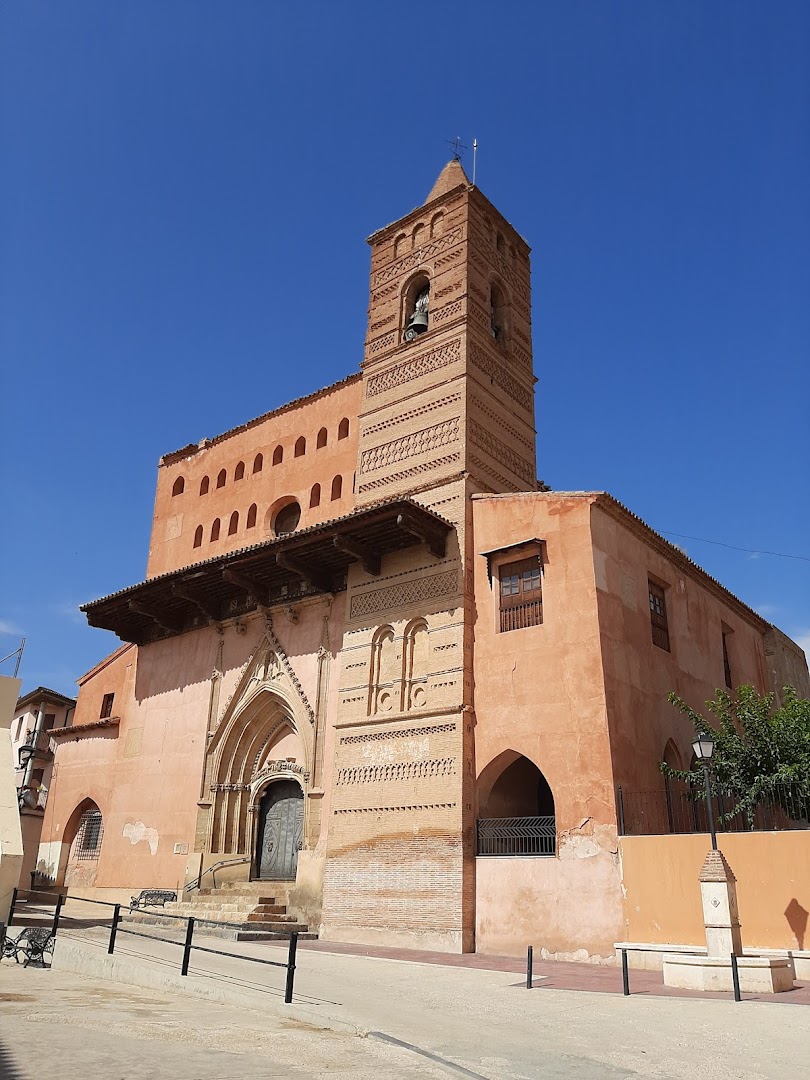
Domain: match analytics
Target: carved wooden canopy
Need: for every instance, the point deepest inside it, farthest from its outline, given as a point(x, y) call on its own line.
point(278, 571)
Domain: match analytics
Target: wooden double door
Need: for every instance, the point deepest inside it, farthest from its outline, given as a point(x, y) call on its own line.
point(281, 831)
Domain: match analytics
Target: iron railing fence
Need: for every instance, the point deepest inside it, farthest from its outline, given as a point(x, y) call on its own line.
point(58, 918)
point(517, 836)
point(679, 807)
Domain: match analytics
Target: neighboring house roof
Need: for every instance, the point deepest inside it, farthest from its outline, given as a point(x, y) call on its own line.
point(103, 663)
point(42, 693)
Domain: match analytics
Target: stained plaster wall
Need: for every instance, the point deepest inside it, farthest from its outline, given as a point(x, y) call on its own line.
point(638, 674)
point(539, 692)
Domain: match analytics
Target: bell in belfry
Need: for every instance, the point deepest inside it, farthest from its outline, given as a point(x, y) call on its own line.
point(418, 322)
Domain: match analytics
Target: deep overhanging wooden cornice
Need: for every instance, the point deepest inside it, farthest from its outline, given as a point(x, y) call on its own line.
point(279, 571)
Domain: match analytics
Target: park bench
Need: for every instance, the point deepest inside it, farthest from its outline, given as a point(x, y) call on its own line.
point(32, 944)
point(152, 898)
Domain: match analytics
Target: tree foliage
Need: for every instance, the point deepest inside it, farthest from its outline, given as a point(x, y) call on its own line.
point(760, 752)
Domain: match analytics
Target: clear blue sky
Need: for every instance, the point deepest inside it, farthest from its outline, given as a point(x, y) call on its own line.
point(186, 189)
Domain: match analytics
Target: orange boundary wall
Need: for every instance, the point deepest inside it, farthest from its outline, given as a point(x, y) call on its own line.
point(661, 903)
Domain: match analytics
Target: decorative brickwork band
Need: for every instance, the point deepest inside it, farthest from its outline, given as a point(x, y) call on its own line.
point(413, 369)
point(395, 478)
point(409, 414)
point(395, 809)
point(495, 448)
point(406, 733)
point(404, 770)
point(500, 377)
point(409, 592)
point(417, 258)
point(420, 442)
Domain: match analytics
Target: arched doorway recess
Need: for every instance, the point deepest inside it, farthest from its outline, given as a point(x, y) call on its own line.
point(516, 809)
point(280, 831)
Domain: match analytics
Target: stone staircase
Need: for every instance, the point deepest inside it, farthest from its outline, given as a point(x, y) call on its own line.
point(257, 911)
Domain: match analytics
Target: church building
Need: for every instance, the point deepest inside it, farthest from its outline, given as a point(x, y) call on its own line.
point(376, 670)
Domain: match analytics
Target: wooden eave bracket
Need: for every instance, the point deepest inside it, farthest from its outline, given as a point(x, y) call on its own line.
point(434, 537)
point(302, 570)
point(182, 590)
point(164, 621)
point(371, 559)
point(242, 581)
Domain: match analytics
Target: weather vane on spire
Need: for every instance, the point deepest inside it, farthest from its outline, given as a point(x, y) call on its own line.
point(457, 147)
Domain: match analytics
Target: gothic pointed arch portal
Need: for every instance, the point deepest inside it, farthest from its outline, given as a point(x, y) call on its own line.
point(265, 735)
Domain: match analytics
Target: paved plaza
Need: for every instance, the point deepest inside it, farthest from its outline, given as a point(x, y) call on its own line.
point(393, 1015)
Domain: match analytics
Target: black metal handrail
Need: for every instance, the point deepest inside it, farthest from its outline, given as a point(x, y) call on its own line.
point(195, 884)
point(517, 836)
point(188, 942)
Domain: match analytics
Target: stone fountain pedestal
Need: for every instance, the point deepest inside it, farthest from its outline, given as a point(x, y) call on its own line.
point(758, 974)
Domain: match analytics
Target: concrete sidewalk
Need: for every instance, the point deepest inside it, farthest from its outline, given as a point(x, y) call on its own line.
point(483, 1021)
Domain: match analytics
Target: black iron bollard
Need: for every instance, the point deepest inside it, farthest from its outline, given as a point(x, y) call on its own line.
point(57, 913)
point(529, 966)
point(187, 947)
point(735, 978)
point(114, 928)
point(13, 905)
point(2, 938)
point(625, 974)
point(288, 990)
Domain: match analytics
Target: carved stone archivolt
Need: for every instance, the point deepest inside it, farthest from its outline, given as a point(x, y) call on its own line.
point(268, 709)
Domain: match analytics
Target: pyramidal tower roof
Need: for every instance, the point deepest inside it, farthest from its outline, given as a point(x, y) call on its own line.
point(450, 177)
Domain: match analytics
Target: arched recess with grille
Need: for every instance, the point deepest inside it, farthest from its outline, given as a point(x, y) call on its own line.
point(516, 812)
point(265, 735)
point(81, 845)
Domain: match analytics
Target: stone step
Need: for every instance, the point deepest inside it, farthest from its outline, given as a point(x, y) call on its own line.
point(262, 916)
point(275, 927)
point(256, 886)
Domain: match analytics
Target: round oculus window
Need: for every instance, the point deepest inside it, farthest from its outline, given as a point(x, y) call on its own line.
point(287, 519)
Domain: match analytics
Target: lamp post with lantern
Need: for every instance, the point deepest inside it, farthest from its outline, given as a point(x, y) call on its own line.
point(703, 747)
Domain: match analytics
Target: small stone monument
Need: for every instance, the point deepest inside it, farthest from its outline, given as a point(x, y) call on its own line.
point(758, 974)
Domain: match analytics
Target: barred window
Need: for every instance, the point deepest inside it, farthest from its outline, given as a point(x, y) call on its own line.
point(91, 829)
point(521, 594)
point(106, 706)
point(658, 616)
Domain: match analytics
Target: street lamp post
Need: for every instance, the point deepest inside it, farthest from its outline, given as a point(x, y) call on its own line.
point(704, 748)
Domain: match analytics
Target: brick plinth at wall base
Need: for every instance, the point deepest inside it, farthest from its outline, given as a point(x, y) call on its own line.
point(758, 974)
point(449, 941)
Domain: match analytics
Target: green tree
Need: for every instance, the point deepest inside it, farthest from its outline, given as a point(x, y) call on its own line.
point(761, 753)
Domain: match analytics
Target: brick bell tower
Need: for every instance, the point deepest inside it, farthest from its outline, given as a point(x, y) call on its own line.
point(448, 387)
point(447, 411)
